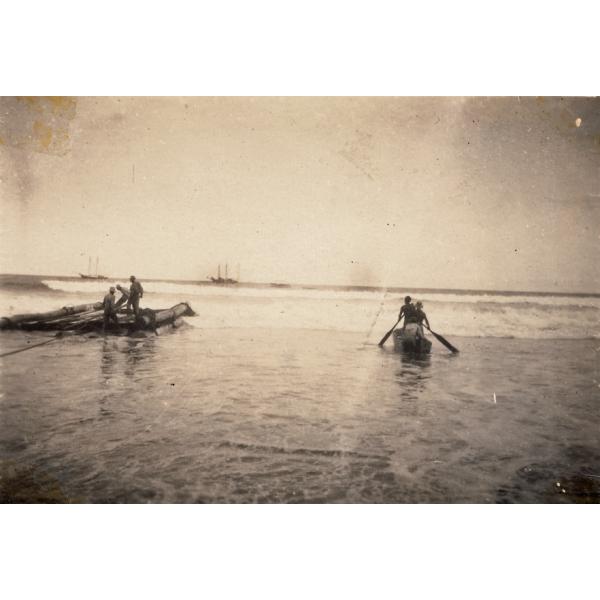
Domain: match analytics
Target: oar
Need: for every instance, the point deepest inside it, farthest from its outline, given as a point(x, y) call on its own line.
point(443, 340)
point(387, 335)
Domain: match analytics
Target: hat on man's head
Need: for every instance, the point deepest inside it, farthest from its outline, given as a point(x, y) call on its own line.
point(407, 299)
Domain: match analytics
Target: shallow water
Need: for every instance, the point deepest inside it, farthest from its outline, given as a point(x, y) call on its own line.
point(298, 415)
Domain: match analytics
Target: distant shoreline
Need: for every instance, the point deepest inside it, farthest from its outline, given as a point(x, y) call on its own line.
point(12, 280)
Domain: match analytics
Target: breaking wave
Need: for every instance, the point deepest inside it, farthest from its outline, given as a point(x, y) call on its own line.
point(368, 311)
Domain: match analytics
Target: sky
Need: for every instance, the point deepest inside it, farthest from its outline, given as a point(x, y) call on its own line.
point(465, 193)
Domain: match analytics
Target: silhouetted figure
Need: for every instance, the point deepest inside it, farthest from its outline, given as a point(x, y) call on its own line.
point(124, 296)
point(110, 311)
point(421, 316)
point(136, 291)
point(408, 311)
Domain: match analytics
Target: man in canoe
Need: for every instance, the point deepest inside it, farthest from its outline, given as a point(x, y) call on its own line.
point(408, 311)
point(136, 291)
point(110, 313)
point(421, 316)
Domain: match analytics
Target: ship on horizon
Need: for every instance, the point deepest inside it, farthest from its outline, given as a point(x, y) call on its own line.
point(89, 273)
point(224, 280)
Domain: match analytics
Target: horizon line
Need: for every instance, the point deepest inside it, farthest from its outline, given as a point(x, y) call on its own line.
point(327, 285)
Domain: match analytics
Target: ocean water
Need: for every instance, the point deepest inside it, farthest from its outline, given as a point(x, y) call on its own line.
point(283, 395)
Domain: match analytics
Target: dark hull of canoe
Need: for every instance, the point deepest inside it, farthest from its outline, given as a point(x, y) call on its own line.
point(408, 341)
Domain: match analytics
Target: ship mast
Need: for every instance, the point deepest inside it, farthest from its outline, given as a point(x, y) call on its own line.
point(96, 266)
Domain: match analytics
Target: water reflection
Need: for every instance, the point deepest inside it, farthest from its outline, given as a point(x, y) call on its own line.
point(136, 352)
point(122, 361)
point(108, 359)
point(127, 353)
point(413, 375)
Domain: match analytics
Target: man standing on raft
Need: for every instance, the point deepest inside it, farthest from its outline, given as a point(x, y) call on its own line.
point(136, 291)
point(110, 313)
point(124, 296)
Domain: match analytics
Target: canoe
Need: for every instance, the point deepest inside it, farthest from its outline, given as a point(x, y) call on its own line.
point(89, 317)
point(409, 340)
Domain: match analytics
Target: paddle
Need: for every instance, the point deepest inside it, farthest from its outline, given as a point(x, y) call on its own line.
point(442, 340)
point(387, 335)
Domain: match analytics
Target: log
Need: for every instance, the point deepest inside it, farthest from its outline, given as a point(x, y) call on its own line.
point(90, 314)
point(16, 320)
point(150, 318)
point(171, 314)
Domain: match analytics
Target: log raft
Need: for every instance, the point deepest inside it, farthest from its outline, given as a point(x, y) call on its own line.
point(86, 318)
point(15, 321)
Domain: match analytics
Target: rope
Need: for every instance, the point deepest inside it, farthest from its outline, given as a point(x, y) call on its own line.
point(375, 318)
point(30, 347)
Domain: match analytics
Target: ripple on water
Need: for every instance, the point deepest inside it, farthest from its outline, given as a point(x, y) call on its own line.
point(264, 416)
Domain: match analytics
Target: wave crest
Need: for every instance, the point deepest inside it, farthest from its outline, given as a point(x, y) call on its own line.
point(370, 312)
